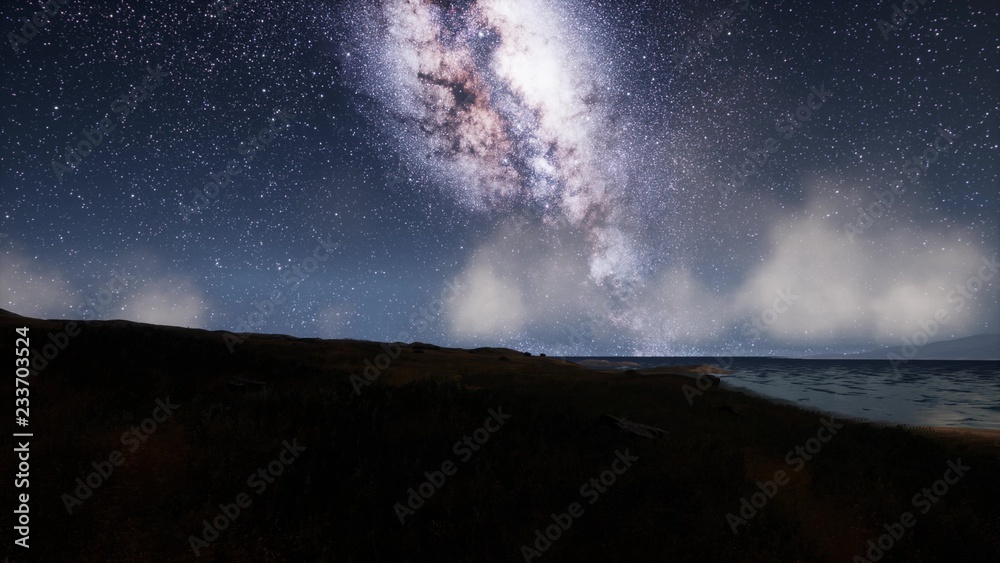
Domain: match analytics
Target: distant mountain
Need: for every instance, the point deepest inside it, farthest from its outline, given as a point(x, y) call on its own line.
point(978, 347)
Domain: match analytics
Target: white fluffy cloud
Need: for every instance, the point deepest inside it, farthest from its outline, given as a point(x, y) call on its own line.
point(492, 304)
point(677, 308)
point(813, 287)
point(29, 287)
point(877, 288)
point(138, 291)
point(529, 278)
point(173, 302)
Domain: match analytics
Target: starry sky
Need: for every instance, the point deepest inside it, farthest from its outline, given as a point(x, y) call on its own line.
point(586, 177)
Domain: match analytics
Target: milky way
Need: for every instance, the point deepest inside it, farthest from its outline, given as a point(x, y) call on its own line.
point(504, 104)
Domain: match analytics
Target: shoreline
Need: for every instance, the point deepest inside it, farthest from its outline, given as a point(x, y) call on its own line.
point(991, 434)
point(694, 372)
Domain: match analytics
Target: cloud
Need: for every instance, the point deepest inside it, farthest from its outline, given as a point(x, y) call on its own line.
point(333, 321)
point(677, 311)
point(491, 306)
point(175, 302)
point(873, 288)
point(528, 282)
point(32, 288)
point(814, 287)
point(140, 294)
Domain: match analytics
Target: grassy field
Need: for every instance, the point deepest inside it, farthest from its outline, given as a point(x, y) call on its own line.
point(319, 460)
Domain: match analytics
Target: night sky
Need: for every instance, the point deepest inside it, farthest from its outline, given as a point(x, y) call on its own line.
point(570, 177)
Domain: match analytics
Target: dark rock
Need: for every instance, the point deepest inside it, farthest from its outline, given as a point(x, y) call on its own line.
point(636, 428)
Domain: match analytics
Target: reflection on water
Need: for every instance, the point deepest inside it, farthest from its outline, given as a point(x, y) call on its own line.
point(931, 393)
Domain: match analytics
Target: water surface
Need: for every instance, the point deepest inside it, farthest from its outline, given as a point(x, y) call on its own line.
point(926, 393)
